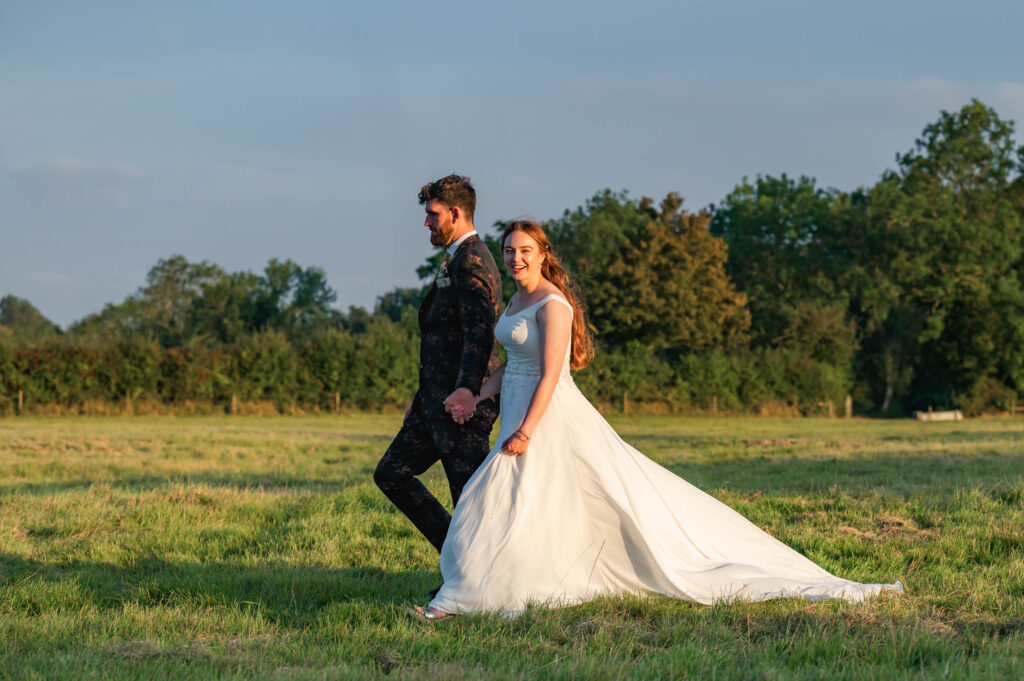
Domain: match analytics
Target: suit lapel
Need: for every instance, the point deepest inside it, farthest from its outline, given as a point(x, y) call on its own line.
point(428, 300)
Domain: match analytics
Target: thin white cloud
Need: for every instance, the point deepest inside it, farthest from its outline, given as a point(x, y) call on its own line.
point(74, 166)
point(75, 181)
point(1009, 101)
point(54, 279)
point(668, 87)
point(593, 88)
point(927, 96)
point(598, 88)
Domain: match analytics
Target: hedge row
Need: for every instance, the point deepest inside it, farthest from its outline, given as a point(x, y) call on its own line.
point(377, 368)
point(766, 381)
point(366, 370)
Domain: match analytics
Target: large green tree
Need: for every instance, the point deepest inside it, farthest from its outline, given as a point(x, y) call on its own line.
point(787, 252)
point(160, 309)
point(292, 299)
point(654, 275)
point(172, 286)
point(941, 294)
point(21, 322)
point(185, 303)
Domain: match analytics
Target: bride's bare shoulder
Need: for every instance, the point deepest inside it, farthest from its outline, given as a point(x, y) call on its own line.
point(548, 289)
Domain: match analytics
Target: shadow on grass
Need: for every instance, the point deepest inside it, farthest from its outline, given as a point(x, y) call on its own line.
point(240, 481)
point(291, 595)
point(889, 473)
point(801, 439)
point(781, 470)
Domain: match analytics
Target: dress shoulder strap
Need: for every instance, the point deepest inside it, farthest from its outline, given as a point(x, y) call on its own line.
point(554, 296)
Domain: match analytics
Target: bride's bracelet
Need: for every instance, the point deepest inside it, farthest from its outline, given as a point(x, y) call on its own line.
point(521, 436)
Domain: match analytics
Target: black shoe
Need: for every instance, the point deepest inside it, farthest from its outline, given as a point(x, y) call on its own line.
point(433, 592)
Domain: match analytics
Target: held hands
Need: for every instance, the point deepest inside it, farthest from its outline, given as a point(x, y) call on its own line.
point(515, 445)
point(461, 404)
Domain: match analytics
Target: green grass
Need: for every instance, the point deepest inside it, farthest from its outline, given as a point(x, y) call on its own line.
point(258, 547)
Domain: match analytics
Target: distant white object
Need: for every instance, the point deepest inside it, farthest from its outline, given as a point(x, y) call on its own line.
point(955, 415)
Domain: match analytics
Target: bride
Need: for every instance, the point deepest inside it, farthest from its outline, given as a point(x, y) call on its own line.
point(564, 511)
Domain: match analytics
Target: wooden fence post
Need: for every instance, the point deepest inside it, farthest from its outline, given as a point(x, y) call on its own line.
point(234, 403)
point(714, 405)
point(831, 411)
point(849, 407)
point(21, 401)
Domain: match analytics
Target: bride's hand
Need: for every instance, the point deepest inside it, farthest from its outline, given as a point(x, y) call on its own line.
point(515, 445)
point(461, 404)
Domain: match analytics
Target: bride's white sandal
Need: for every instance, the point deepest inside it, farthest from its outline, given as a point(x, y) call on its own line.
point(429, 614)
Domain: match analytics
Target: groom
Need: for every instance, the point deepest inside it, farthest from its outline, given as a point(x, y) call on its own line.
point(457, 350)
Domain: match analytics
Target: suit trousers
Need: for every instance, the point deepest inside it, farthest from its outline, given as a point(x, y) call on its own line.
point(420, 443)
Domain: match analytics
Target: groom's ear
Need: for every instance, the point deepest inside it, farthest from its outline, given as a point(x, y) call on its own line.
point(456, 213)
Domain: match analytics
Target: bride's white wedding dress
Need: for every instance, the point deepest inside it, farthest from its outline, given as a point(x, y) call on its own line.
point(583, 514)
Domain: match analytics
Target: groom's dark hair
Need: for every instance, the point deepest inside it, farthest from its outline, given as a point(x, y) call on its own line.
point(453, 191)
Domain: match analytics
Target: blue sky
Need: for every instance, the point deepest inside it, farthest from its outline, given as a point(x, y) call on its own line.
point(235, 132)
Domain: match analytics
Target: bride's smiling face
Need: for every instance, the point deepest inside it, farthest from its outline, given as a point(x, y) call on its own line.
point(522, 256)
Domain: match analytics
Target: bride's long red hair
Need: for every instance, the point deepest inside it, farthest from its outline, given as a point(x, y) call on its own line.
point(581, 351)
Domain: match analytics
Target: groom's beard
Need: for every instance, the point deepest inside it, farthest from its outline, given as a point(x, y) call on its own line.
point(442, 236)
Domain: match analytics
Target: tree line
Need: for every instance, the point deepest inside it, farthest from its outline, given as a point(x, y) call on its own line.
point(784, 296)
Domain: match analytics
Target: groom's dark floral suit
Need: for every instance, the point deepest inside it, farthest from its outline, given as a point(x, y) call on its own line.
point(457, 350)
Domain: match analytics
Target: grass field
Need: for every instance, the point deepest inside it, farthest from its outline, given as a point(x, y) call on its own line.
point(258, 547)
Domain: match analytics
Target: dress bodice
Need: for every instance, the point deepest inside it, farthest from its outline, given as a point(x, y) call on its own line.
point(519, 334)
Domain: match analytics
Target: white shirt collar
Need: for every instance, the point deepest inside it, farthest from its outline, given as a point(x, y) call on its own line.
point(454, 246)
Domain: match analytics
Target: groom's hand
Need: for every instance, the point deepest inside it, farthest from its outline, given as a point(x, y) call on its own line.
point(460, 404)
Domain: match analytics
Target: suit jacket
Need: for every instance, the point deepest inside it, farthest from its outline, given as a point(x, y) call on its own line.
point(457, 345)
